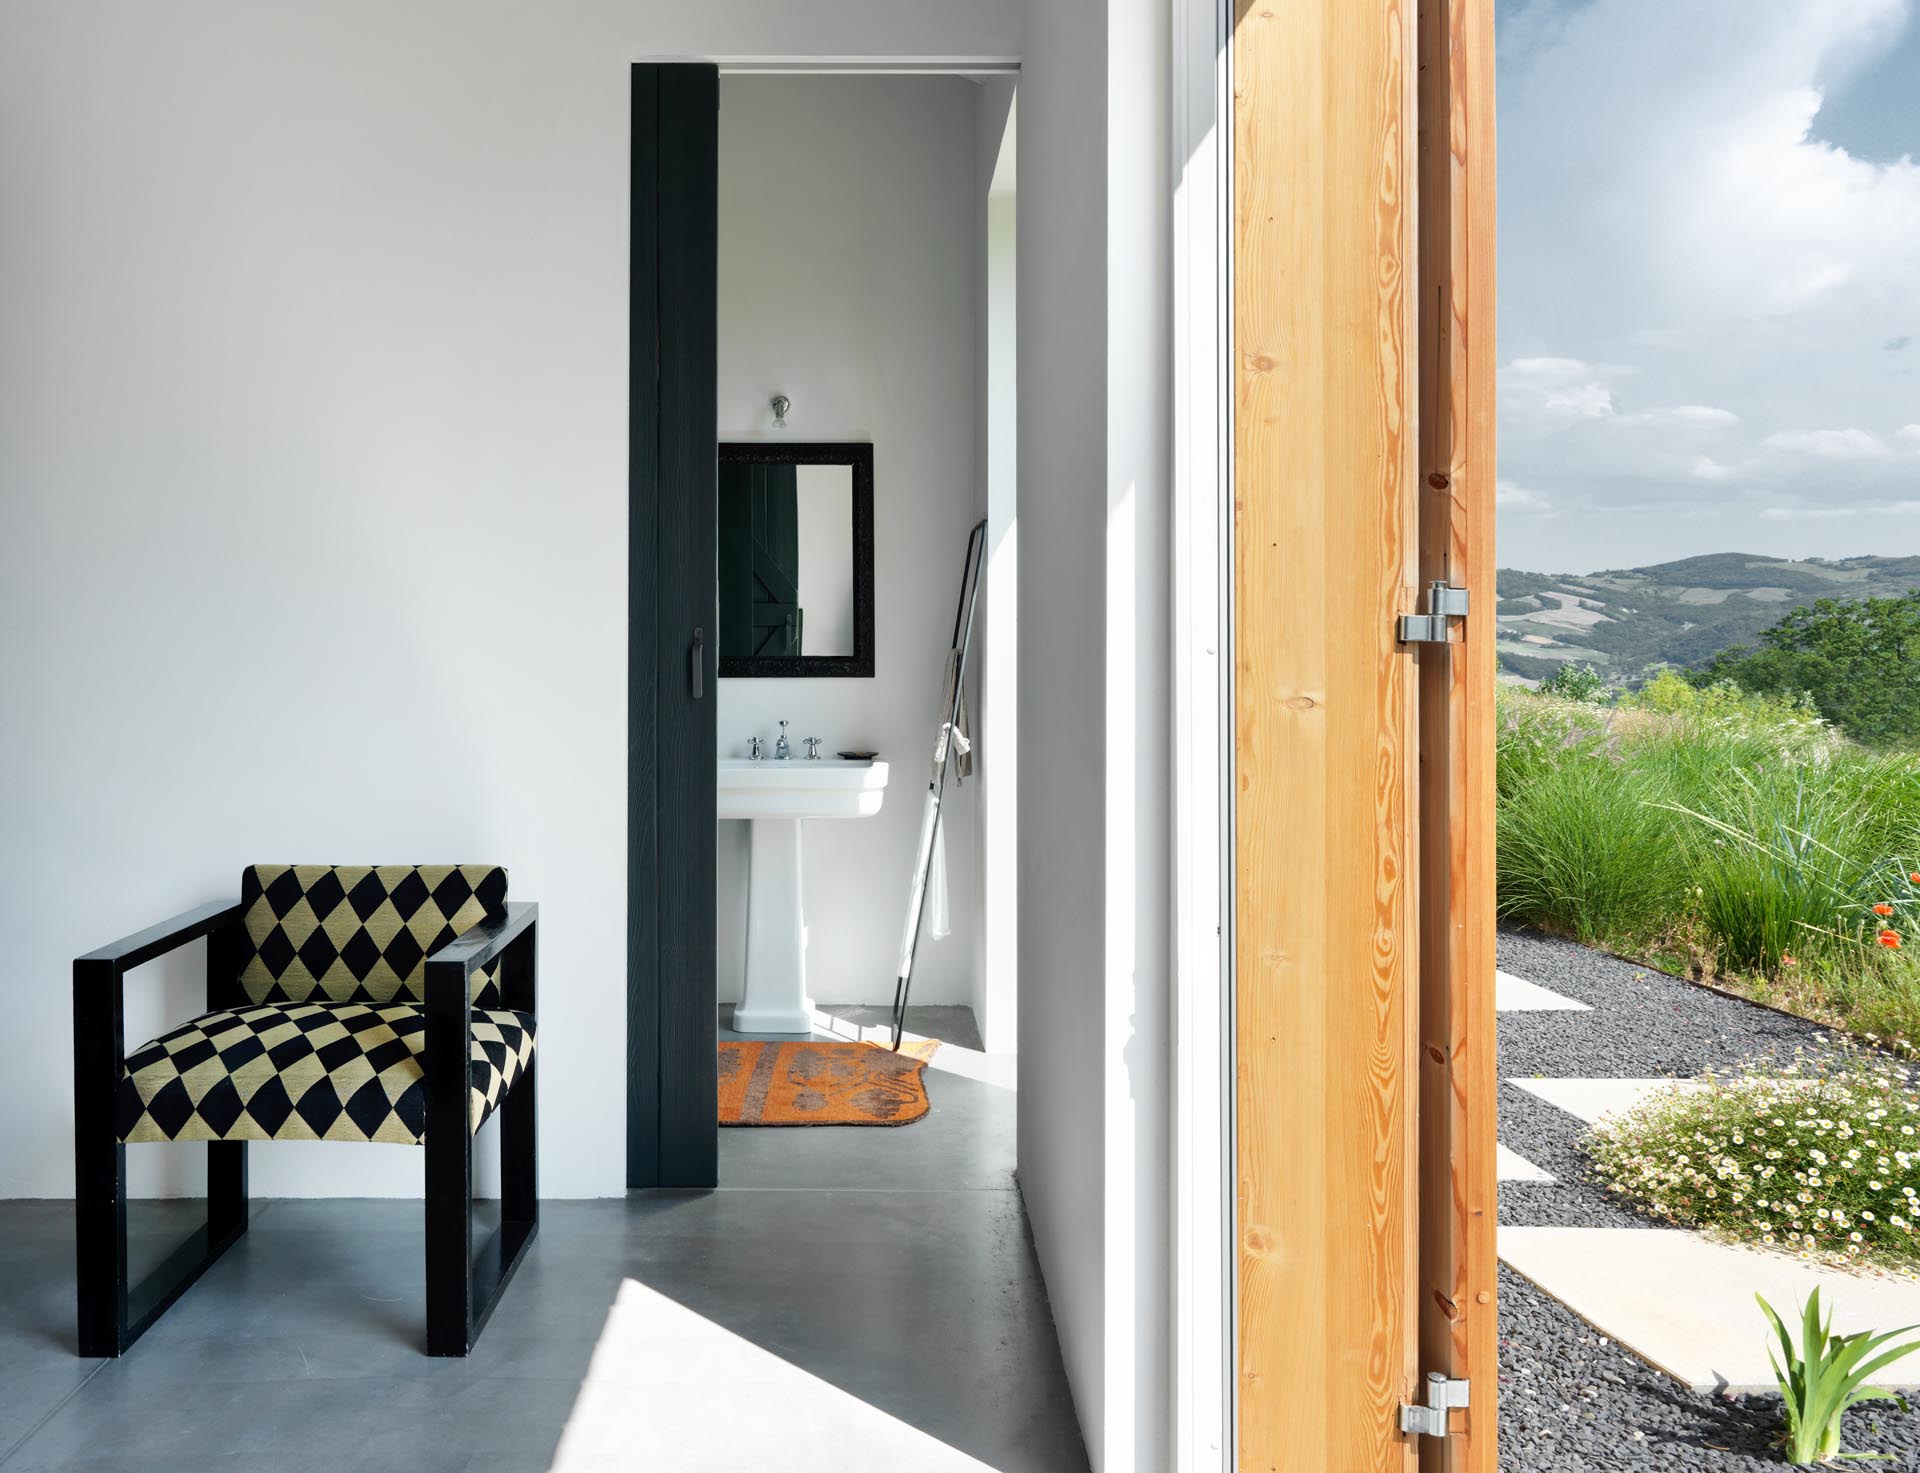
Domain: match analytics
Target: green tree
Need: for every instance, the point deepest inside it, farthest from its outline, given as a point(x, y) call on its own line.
point(1858, 662)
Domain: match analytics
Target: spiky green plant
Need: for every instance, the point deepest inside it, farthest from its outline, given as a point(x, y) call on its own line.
point(1826, 1374)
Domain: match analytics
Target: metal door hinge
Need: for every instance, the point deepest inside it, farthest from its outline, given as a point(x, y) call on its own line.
point(1431, 1420)
point(1444, 602)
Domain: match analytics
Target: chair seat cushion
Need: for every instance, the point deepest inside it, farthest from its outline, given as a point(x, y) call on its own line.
point(308, 1071)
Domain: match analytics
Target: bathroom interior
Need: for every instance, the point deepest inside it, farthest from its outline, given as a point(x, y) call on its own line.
point(867, 528)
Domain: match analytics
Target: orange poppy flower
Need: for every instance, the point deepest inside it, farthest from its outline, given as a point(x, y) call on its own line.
point(1787, 959)
point(1914, 878)
point(1883, 909)
point(1890, 939)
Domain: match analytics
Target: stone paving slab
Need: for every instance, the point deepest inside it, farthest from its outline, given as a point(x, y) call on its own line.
point(1513, 994)
point(1589, 1099)
point(1685, 1305)
point(1510, 1165)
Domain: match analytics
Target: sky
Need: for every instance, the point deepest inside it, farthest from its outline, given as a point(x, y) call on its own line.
point(1709, 331)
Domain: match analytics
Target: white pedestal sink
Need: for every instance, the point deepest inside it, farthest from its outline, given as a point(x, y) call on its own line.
point(774, 797)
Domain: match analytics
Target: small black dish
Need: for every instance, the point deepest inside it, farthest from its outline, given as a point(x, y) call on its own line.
point(858, 756)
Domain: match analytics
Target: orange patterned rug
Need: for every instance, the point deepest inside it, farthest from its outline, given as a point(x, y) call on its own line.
point(766, 1083)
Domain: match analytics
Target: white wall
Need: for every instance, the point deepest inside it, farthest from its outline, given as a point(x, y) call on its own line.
point(996, 675)
point(847, 225)
point(1094, 224)
point(1064, 751)
point(823, 547)
point(313, 485)
point(313, 515)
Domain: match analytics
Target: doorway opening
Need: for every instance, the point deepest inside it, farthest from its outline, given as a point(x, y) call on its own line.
point(865, 347)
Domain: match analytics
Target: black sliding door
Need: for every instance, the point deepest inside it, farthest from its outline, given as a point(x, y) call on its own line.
point(672, 1126)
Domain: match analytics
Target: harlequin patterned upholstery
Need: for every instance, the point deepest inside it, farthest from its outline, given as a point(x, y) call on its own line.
point(308, 1071)
point(361, 933)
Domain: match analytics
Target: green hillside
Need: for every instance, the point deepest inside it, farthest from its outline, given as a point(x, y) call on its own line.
point(1626, 621)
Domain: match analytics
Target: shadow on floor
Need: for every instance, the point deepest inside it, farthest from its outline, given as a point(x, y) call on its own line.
point(691, 1331)
point(850, 1297)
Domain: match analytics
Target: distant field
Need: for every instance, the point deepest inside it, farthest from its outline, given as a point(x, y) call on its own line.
point(1626, 621)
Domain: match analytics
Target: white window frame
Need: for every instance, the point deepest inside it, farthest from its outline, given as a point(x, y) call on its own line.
point(1204, 1420)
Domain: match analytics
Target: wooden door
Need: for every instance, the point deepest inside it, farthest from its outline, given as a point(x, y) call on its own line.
point(1362, 400)
point(1459, 1289)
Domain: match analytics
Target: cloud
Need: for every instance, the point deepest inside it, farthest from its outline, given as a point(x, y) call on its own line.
point(1704, 305)
point(1562, 388)
point(1505, 493)
point(1848, 444)
point(1702, 414)
point(1683, 416)
point(1808, 513)
point(1839, 513)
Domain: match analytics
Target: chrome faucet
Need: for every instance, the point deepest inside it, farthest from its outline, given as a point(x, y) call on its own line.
point(782, 749)
point(755, 749)
point(813, 749)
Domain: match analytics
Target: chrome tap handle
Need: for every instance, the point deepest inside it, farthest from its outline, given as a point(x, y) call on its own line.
point(755, 749)
point(813, 749)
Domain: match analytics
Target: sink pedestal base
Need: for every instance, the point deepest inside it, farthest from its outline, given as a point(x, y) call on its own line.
point(775, 999)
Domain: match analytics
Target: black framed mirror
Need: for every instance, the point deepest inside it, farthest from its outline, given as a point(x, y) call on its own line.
point(796, 559)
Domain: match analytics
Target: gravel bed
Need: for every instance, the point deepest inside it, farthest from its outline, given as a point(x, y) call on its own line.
point(1550, 1138)
point(1643, 1024)
point(1571, 1399)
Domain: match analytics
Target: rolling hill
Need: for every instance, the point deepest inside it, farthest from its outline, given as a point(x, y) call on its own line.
point(1626, 621)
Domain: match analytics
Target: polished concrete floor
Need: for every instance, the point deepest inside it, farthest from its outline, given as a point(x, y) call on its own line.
point(849, 1298)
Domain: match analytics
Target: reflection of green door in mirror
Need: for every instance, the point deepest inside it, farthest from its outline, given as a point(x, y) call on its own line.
point(759, 560)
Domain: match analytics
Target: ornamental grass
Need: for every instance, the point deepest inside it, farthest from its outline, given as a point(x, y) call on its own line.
point(1733, 838)
point(1821, 1158)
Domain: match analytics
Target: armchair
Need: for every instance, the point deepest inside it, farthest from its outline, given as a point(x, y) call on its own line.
point(342, 1002)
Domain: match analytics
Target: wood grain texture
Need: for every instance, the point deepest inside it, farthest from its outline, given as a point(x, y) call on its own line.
point(1459, 1301)
point(1325, 325)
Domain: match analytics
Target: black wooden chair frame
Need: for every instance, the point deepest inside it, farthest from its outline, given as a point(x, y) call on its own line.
point(462, 1286)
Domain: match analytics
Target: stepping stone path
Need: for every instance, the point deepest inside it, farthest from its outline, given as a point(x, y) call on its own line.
point(1513, 994)
point(1590, 1099)
point(1685, 1304)
point(1584, 1036)
point(1510, 1165)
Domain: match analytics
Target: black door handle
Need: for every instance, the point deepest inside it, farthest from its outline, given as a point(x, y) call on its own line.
point(698, 657)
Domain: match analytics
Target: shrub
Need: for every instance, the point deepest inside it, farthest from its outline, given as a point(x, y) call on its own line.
point(1668, 693)
point(1822, 1158)
point(1577, 683)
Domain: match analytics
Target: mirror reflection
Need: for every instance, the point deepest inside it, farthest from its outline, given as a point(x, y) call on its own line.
point(794, 530)
point(786, 560)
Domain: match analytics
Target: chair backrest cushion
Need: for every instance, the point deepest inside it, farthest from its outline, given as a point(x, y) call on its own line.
point(361, 932)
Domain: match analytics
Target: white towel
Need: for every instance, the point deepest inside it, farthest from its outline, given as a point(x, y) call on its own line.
point(937, 917)
point(962, 743)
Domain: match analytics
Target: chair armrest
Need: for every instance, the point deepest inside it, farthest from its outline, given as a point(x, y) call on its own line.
point(478, 945)
point(143, 946)
point(99, 1010)
point(449, 1006)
